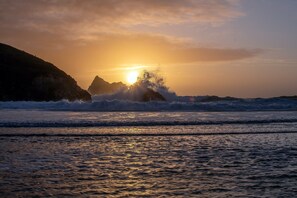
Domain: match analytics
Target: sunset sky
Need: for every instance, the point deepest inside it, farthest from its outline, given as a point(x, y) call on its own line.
point(242, 48)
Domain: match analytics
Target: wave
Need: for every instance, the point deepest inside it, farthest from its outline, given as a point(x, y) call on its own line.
point(137, 123)
point(140, 134)
point(124, 105)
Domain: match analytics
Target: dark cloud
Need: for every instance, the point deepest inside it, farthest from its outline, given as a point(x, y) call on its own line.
point(188, 55)
point(101, 26)
point(152, 49)
point(117, 49)
point(82, 19)
point(80, 36)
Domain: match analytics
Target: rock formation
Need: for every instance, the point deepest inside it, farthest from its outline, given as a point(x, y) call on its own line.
point(100, 86)
point(24, 77)
point(119, 91)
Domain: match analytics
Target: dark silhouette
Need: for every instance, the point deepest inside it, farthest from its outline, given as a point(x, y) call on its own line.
point(141, 93)
point(217, 98)
point(137, 92)
point(24, 77)
point(100, 86)
point(288, 97)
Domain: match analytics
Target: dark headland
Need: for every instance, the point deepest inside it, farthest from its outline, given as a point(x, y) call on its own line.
point(24, 77)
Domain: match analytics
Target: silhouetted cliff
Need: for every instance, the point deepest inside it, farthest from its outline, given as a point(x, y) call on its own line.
point(24, 77)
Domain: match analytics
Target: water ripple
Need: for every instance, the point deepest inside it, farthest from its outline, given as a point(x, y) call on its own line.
point(262, 165)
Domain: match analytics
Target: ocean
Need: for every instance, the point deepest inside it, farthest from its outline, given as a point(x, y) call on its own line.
point(63, 149)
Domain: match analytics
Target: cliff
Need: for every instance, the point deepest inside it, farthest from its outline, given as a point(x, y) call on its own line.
point(24, 77)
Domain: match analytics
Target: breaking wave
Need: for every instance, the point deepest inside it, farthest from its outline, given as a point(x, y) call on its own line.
point(124, 105)
point(128, 99)
point(150, 86)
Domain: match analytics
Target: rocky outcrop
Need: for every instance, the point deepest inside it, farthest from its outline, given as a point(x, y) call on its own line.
point(217, 98)
point(103, 90)
point(100, 86)
point(24, 77)
point(144, 94)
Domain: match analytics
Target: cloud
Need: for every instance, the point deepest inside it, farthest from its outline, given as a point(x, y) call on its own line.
point(96, 32)
point(200, 54)
point(80, 19)
point(146, 49)
point(154, 49)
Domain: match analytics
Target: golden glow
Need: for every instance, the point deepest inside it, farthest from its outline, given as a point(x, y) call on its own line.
point(132, 77)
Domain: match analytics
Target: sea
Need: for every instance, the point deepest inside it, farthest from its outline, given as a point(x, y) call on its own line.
point(153, 149)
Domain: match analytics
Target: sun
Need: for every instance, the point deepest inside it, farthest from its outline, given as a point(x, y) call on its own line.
point(132, 77)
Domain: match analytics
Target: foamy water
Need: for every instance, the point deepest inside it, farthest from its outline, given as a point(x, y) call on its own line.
point(99, 104)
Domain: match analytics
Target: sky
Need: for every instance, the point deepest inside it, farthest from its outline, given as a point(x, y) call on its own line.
point(241, 48)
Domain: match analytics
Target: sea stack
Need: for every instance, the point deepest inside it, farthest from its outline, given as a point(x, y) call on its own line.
point(102, 90)
point(100, 86)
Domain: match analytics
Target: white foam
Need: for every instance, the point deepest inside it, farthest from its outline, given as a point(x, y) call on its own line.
point(102, 103)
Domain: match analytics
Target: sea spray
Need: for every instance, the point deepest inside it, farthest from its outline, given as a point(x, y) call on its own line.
point(150, 86)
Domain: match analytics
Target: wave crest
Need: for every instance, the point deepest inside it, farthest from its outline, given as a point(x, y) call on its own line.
point(101, 104)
